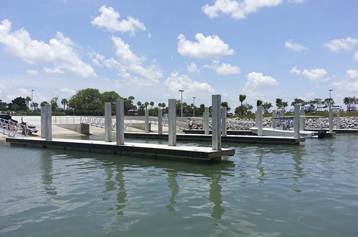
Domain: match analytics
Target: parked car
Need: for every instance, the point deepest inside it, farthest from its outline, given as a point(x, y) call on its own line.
point(351, 108)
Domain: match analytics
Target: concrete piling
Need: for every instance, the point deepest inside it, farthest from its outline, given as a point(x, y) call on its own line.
point(297, 122)
point(108, 122)
point(172, 141)
point(119, 122)
point(216, 122)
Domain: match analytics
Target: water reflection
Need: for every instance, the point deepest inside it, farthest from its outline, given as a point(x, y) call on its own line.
point(216, 196)
point(47, 176)
point(173, 185)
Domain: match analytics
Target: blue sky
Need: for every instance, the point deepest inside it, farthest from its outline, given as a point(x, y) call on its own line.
point(264, 49)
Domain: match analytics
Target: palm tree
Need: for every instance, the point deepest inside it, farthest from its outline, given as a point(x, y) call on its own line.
point(35, 105)
point(259, 103)
point(242, 98)
point(43, 103)
point(64, 102)
point(139, 104)
point(146, 105)
point(27, 100)
point(151, 104)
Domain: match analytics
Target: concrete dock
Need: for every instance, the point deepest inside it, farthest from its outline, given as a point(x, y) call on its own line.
point(138, 149)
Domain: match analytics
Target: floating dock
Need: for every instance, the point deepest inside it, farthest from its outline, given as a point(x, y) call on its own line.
point(136, 149)
point(253, 139)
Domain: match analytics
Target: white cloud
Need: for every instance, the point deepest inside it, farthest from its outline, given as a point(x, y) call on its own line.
point(356, 56)
point(295, 1)
point(223, 69)
point(257, 80)
point(226, 69)
point(347, 86)
point(237, 10)
point(316, 75)
point(294, 70)
point(192, 68)
point(32, 72)
point(68, 91)
point(352, 73)
point(109, 21)
point(341, 44)
point(295, 47)
point(176, 82)
point(52, 71)
point(128, 63)
point(205, 48)
point(58, 51)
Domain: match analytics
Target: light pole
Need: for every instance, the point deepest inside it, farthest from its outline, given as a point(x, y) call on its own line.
point(330, 100)
point(181, 102)
point(32, 100)
point(194, 106)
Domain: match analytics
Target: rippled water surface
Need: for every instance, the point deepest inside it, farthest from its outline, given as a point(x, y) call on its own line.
point(264, 190)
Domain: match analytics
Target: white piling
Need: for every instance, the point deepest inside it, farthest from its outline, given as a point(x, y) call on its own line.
point(146, 122)
point(172, 136)
point(223, 121)
point(43, 121)
point(160, 121)
point(119, 122)
point(330, 120)
point(206, 120)
point(216, 122)
point(48, 123)
point(302, 119)
point(297, 122)
point(274, 120)
point(338, 123)
point(259, 120)
point(108, 121)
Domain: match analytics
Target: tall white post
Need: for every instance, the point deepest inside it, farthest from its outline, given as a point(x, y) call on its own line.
point(48, 122)
point(302, 119)
point(330, 120)
point(146, 123)
point(223, 121)
point(206, 120)
point(216, 122)
point(172, 136)
point(108, 121)
point(43, 121)
point(338, 123)
point(297, 122)
point(119, 122)
point(274, 120)
point(259, 120)
point(160, 121)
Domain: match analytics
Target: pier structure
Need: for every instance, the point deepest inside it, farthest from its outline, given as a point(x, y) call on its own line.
point(302, 119)
point(338, 123)
point(216, 122)
point(296, 126)
point(46, 122)
point(223, 121)
point(274, 116)
point(330, 120)
point(146, 121)
point(259, 121)
point(206, 120)
point(120, 147)
point(160, 121)
point(120, 122)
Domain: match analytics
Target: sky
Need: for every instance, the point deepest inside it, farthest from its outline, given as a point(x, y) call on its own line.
point(151, 49)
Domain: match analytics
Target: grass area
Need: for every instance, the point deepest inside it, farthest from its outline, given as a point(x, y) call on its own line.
point(321, 114)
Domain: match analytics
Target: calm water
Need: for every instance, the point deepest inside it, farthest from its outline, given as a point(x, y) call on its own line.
point(306, 190)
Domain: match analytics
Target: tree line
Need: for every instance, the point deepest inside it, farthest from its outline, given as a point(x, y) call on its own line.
point(91, 102)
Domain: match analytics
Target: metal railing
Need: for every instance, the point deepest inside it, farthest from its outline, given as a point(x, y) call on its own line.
point(12, 128)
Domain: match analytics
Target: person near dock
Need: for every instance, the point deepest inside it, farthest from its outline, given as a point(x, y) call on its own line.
point(190, 123)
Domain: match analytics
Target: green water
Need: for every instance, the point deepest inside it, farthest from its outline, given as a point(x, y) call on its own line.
point(264, 190)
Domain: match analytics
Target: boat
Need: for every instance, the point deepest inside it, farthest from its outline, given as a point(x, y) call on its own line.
point(281, 133)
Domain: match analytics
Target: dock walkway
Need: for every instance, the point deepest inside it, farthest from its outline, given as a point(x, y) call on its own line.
point(151, 150)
